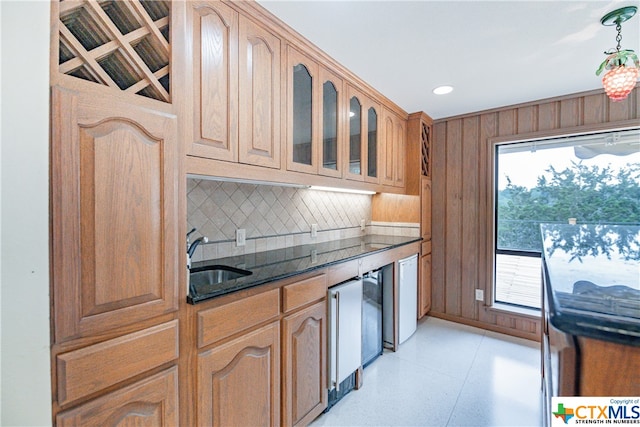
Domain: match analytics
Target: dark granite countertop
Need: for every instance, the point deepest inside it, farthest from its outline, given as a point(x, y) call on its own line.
point(278, 264)
point(593, 278)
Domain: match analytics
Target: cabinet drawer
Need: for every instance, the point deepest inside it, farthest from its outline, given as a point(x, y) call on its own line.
point(217, 323)
point(96, 367)
point(343, 271)
point(426, 247)
point(304, 292)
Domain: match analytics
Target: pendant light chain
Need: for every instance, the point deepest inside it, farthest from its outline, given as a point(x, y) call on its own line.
point(619, 36)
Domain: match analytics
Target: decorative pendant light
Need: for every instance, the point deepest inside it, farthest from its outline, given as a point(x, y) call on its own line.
point(620, 80)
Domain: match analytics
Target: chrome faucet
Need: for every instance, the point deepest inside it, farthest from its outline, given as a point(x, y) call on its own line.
point(191, 247)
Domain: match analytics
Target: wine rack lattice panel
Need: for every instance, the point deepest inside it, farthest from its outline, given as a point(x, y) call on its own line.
point(425, 139)
point(123, 44)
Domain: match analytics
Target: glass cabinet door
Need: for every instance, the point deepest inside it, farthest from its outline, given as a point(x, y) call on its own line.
point(302, 115)
point(329, 126)
point(372, 143)
point(355, 136)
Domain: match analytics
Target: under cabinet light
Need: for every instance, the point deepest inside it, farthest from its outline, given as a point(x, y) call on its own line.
point(246, 181)
point(341, 190)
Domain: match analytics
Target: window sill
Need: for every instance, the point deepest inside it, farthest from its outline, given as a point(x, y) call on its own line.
point(533, 313)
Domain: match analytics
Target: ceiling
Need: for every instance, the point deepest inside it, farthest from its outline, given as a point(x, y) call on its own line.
point(494, 53)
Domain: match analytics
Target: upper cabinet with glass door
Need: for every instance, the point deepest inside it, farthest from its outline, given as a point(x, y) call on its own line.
point(363, 148)
point(303, 112)
point(333, 119)
point(315, 117)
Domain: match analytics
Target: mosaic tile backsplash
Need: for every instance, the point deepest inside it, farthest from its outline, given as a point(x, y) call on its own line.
point(274, 217)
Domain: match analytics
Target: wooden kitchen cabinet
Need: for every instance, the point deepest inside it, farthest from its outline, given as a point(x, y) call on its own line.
point(304, 387)
point(303, 112)
point(334, 112)
point(235, 86)
point(424, 290)
point(260, 87)
point(238, 383)
point(114, 205)
point(418, 182)
point(362, 151)
point(212, 120)
point(151, 401)
point(393, 149)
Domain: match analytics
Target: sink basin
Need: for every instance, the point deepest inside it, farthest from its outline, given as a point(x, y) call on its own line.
point(213, 274)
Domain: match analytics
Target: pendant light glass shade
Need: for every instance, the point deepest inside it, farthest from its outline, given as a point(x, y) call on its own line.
point(619, 82)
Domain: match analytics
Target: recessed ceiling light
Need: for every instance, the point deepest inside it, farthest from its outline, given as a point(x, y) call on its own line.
point(443, 90)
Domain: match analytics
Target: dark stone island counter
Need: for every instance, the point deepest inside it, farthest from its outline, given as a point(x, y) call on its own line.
point(592, 280)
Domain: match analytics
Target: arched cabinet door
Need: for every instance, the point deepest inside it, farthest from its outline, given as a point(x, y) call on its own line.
point(239, 381)
point(152, 401)
point(213, 84)
point(114, 170)
point(303, 113)
point(332, 127)
point(363, 150)
point(393, 146)
point(304, 387)
point(259, 95)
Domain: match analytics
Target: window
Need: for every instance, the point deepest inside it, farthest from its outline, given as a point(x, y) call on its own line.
point(583, 179)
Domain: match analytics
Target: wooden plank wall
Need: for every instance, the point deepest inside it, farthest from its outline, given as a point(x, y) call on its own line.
point(462, 196)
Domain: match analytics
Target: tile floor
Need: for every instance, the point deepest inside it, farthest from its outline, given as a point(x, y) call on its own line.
point(447, 374)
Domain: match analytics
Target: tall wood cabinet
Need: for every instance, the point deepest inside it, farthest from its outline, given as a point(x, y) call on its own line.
point(114, 210)
point(114, 213)
point(419, 183)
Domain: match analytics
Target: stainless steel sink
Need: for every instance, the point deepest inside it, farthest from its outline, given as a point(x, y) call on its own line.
point(214, 274)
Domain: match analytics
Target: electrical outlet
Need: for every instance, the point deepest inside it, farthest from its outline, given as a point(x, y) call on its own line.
point(314, 231)
point(363, 224)
point(479, 295)
point(241, 235)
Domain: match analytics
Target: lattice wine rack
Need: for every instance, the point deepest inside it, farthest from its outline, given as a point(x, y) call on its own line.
point(123, 44)
point(425, 139)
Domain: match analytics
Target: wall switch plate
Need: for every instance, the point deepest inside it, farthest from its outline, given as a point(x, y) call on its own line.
point(479, 295)
point(241, 235)
point(363, 224)
point(314, 231)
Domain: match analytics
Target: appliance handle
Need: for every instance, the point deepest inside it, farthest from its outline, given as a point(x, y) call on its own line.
point(337, 353)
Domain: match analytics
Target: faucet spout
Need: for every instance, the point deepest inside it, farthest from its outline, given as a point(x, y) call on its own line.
point(194, 245)
point(191, 248)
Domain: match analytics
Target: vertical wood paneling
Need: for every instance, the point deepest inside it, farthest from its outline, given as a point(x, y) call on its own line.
point(462, 219)
point(453, 228)
point(570, 114)
point(438, 215)
point(548, 116)
point(470, 168)
point(527, 119)
point(595, 109)
point(507, 122)
point(621, 110)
